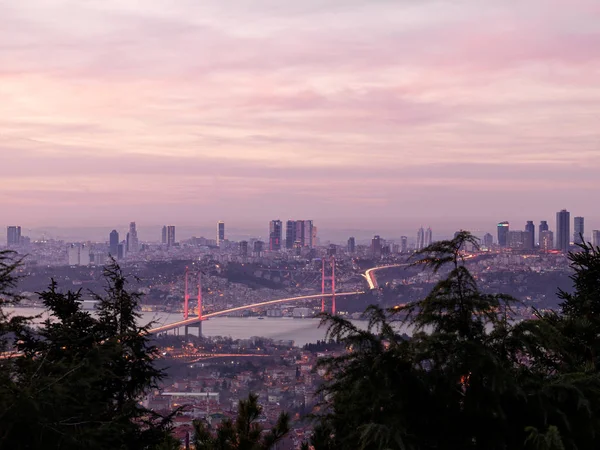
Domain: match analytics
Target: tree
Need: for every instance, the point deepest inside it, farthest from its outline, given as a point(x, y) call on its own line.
point(243, 434)
point(80, 378)
point(468, 378)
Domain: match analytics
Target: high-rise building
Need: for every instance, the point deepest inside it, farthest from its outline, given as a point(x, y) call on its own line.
point(164, 235)
point(351, 245)
point(315, 237)
point(376, 246)
point(596, 238)
point(244, 248)
point(299, 233)
point(420, 239)
point(578, 230)
point(563, 233)
point(13, 235)
point(543, 226)
point(290, 234)
point(488, 240)
point(220, 233)
point(403, 244)
point(275, 234)
point(171, 236)
point(503, 229)
point(530, 238)
point(428, 237)
point(113, 247)
point(133, 244)
point(546, 240)
point(79, 255)
point(258, 248)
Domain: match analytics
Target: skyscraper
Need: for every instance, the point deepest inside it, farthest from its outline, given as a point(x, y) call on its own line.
point(596, 238)
point(517, 240)
point(403, 244)
point(420, 239)
point(275, 232)
point(546, 240)
point(113, 247)
point(290, 234)
point(13, 235)
point(503, 229)
point(488, 240)
point(543, 227)
point(164, 235)
point(428, 237)
point(171, 236)
point(530, 238)
point(376, 246)
point(351, 245)
point(220, 232)
point(563, 227)
point(133, 244)
point(579, 231)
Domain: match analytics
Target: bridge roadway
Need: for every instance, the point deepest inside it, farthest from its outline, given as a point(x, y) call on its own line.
point(369, 275)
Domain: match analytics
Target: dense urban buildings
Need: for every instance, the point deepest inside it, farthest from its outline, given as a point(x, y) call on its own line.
point(404, 244)
point(503, 229)
point(563, 233)
point(299, 234)
point(488, 240)
point(578, 230)
point(546, 240)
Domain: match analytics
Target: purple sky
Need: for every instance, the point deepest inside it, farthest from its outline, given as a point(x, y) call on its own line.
point(355, 113)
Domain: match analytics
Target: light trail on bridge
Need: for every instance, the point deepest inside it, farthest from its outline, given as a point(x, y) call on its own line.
point(370, 274)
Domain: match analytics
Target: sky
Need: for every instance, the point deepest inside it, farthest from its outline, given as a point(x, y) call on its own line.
point(378, 114)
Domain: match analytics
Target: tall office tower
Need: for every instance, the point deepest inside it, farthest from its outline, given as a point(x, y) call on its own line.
point(579, 231)
point(503, 229)
point(275, 231)
point(244, 248)
point(290, 234)
point(113, 247)
point(299, 225)
point(428, 237)
point(530, 240)
point(171, 236)
point(376, 246)
point(563, 230)
point(351, 245)
point(315, 237)
point(79, 255)
point(307, 234)
point(220, 233)
point(546, 240)
point(403, 244)
point(84, 255)
point(258, 248)
point(488, 240)
point(420, 239)
point(596, 238)
point(164, 235)
point(133, 244)
point(13, 235)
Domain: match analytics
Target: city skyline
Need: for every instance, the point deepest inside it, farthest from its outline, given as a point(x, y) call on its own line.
point(122, 112)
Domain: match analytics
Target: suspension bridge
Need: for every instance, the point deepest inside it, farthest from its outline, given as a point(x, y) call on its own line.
point(194, 316)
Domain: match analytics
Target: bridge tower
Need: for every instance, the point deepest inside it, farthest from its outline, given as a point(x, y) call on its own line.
point(186, 298)
point(331, 278)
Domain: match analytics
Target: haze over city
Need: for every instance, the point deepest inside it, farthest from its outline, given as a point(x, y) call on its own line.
point(358, 114)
